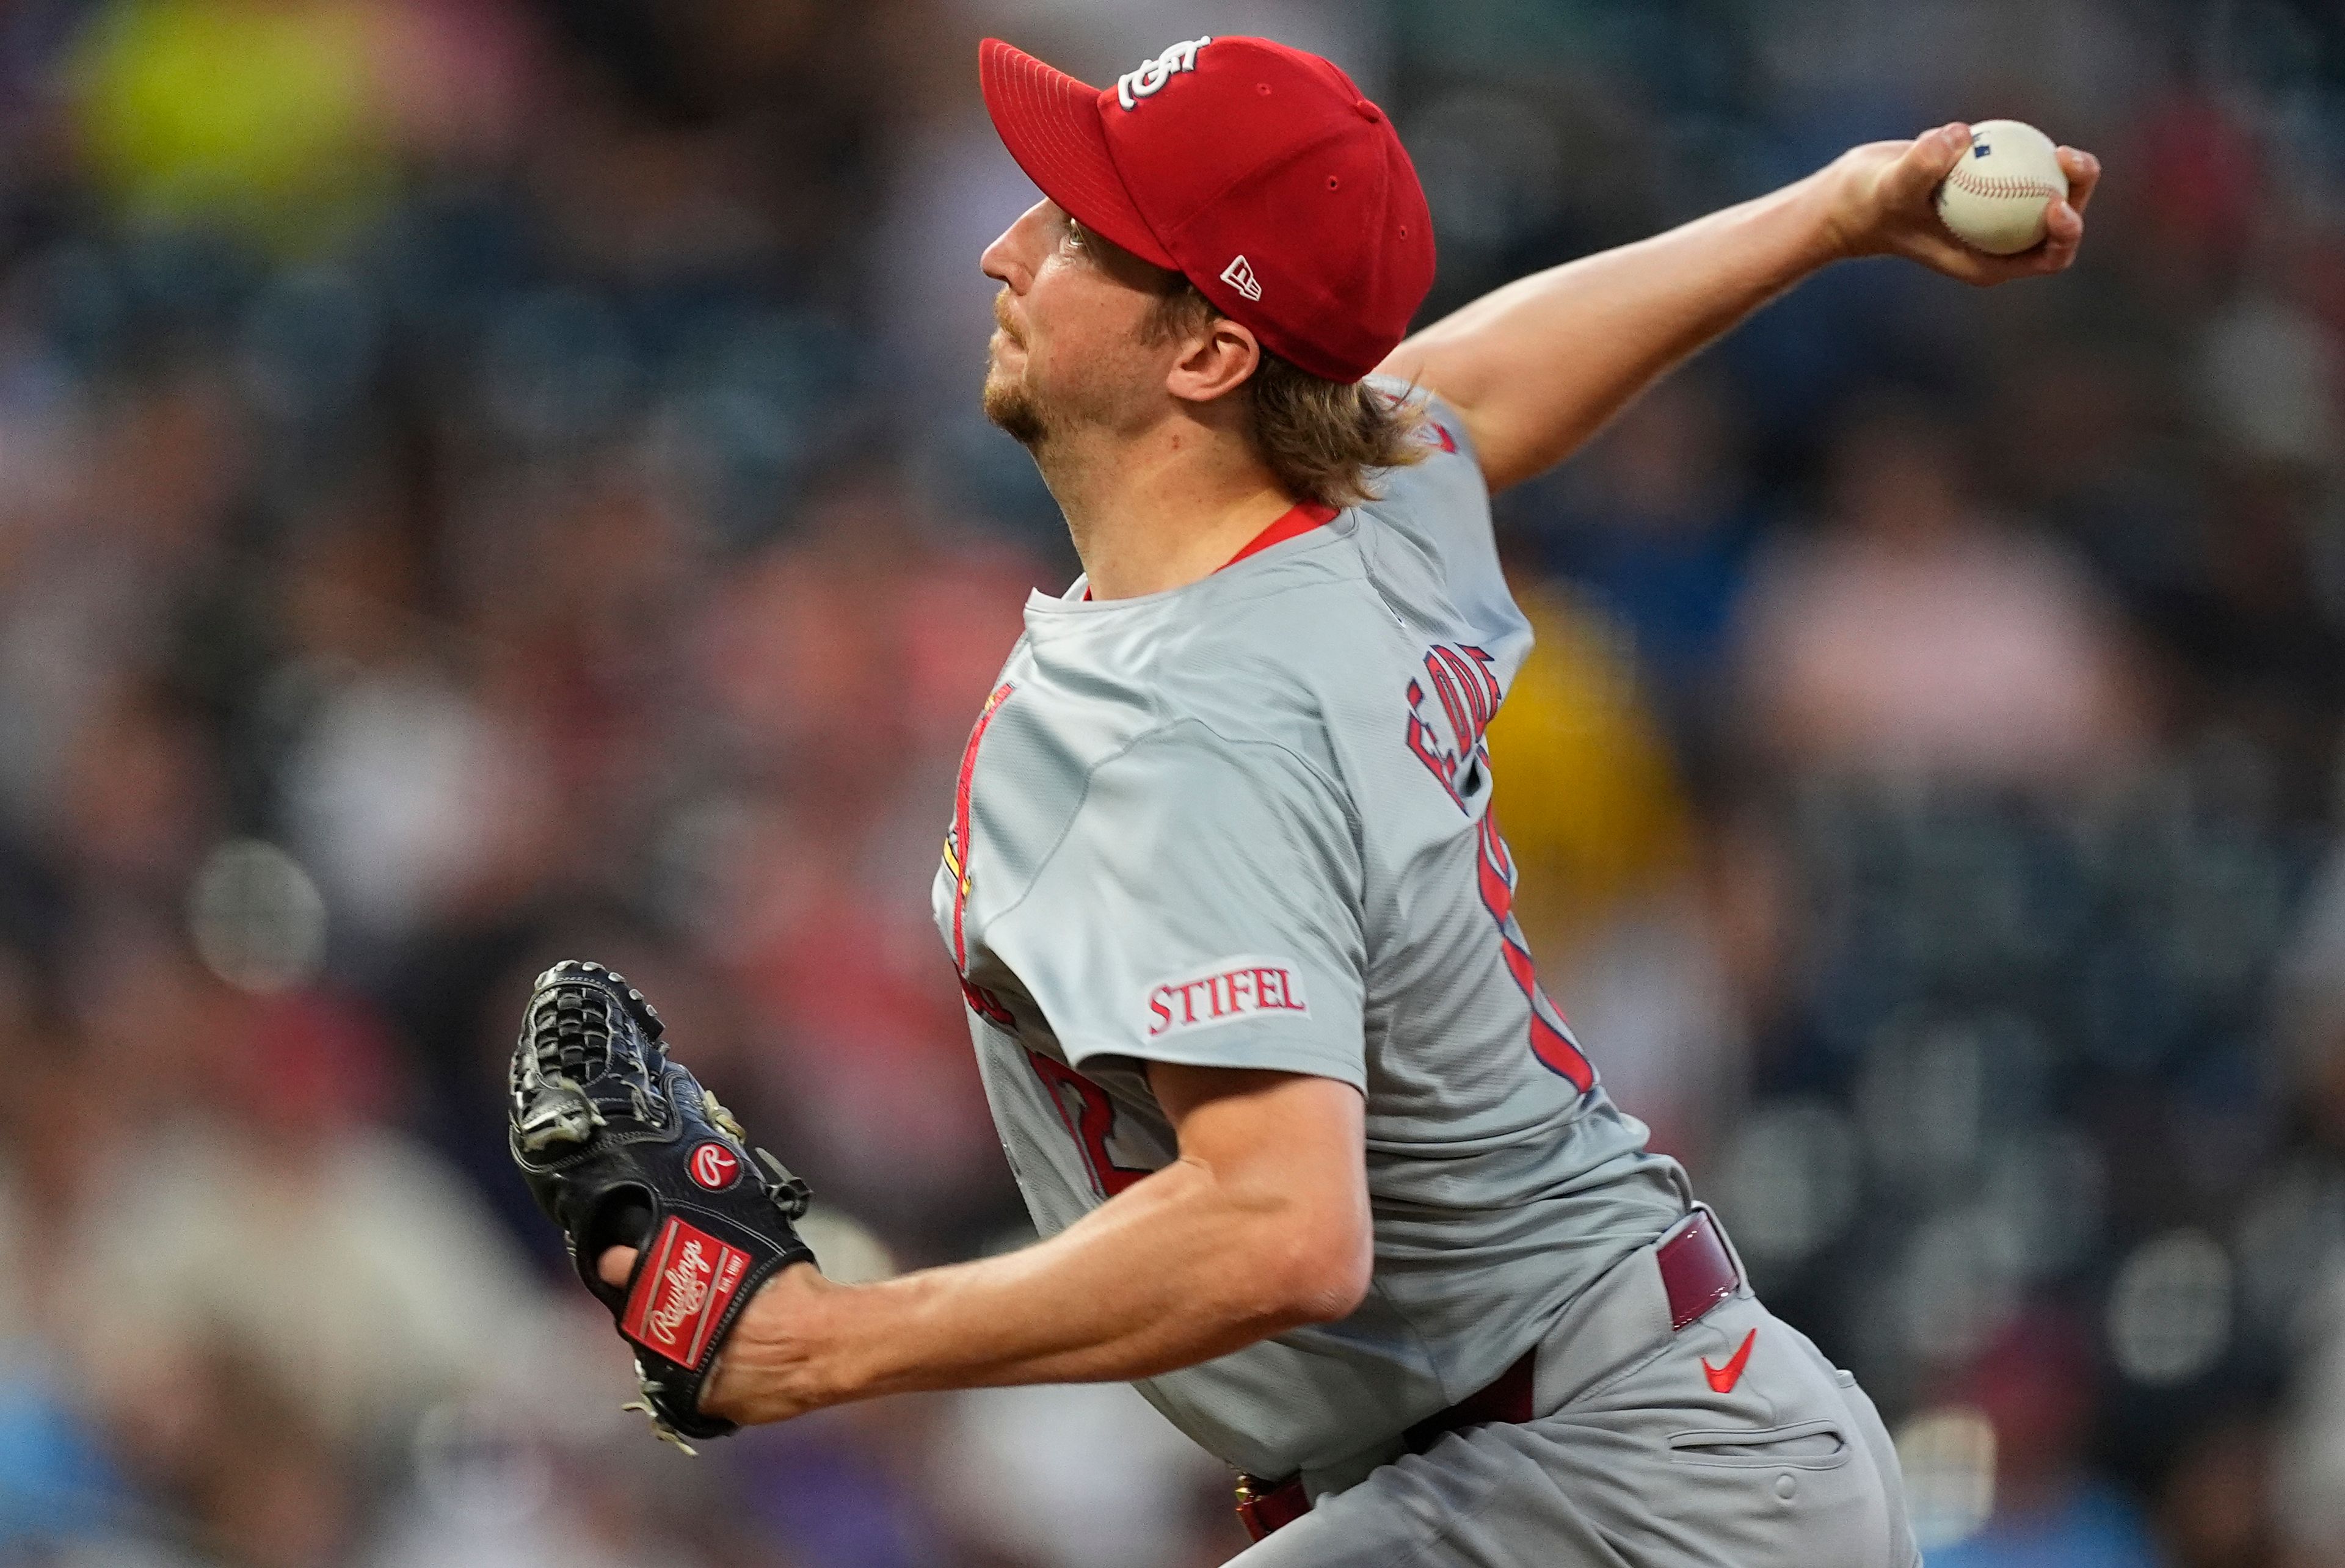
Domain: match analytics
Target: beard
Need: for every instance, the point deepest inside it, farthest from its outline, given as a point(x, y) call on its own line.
point(1011, 402)
point(1094, 391)
point(1013, 406)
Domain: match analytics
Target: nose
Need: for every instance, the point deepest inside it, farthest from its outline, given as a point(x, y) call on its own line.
point(1010, 258)
point(1001, 263)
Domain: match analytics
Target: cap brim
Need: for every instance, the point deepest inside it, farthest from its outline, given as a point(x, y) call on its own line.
point(1050, 123)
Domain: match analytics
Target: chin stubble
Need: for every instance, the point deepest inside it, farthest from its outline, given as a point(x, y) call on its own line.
point(1011, 405)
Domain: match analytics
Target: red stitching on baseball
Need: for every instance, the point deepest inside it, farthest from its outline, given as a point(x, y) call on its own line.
point(2002, 185)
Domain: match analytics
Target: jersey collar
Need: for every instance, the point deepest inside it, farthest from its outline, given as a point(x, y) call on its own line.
point(1298, 520)
point(1294, 524)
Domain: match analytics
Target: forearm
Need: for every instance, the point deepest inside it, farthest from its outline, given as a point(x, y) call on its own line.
point(1178, 1268)
point(1536, 368)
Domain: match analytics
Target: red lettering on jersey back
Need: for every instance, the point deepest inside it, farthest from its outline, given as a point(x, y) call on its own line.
point(1467, 693)
point(1475, 683)
point(1453, 701)
point(1441, 764)
point(1464, 681)
point(1550, 1032)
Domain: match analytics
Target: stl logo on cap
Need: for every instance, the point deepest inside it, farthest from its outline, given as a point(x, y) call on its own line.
point(1149, 79)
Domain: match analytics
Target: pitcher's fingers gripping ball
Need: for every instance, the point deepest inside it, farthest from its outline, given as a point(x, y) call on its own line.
point(623, 1148)
point(1996, 198)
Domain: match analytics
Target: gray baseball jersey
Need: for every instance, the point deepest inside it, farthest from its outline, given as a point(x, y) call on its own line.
point(1246, 823)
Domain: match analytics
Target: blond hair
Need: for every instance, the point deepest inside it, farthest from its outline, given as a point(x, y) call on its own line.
point(1320, 439)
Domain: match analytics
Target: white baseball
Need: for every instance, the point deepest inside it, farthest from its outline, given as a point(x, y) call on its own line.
point(1995, 198)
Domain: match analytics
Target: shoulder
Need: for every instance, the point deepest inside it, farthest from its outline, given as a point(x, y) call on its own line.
point(1444, 428)
point(1432, 534)
point(1448, 471)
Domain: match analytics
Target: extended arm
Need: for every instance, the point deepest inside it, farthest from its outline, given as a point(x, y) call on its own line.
point(1260, 1225)
point(1536, 368)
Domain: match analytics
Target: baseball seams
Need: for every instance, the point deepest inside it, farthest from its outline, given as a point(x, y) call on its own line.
point(2000, 186)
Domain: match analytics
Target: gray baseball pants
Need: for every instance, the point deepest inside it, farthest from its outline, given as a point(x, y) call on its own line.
point(1636, 1460)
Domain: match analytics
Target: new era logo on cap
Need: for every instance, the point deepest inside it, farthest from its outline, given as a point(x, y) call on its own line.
point(1238, 275)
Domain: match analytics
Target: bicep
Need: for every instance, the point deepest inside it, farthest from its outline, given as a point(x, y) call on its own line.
point(1273, 1140)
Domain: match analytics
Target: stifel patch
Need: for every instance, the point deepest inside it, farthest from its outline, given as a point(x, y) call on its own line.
point(682, 1291)
point(1226, 991)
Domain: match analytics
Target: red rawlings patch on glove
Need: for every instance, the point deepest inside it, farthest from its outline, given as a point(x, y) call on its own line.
point(680, 1292)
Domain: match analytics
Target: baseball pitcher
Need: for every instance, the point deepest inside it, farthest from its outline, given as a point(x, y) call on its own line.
point(1318, 1166)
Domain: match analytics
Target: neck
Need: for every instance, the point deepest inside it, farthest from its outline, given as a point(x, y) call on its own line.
point(1161, 509)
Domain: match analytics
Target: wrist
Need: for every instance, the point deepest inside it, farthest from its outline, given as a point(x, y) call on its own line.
point(1828, 201)
point(785, 1356)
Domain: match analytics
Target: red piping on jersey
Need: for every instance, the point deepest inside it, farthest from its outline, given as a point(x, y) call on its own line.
point(956, 849)
point(1293, 523)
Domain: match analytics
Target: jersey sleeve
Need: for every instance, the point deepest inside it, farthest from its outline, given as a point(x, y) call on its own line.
point(1441, 504)
point(1204, 908)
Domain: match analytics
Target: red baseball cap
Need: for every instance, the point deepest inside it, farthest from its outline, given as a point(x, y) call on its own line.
point(1256, 171)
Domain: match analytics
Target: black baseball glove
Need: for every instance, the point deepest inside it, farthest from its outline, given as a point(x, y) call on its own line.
point(623, 1148)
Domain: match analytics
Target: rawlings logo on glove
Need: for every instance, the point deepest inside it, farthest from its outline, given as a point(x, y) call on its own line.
point(623, 1148)
point(690, 1293)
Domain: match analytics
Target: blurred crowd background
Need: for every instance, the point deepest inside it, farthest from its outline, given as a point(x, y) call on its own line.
point(487, 481)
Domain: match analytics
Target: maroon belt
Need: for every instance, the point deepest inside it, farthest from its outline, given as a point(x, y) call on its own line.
point(1697, 1271)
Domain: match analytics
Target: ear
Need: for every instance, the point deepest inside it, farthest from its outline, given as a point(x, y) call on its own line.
point(1214, 364)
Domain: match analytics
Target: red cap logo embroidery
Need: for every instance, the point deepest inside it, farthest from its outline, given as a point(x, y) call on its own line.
point(680, 1292)
point(714, 1166)
point(1149, 79)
